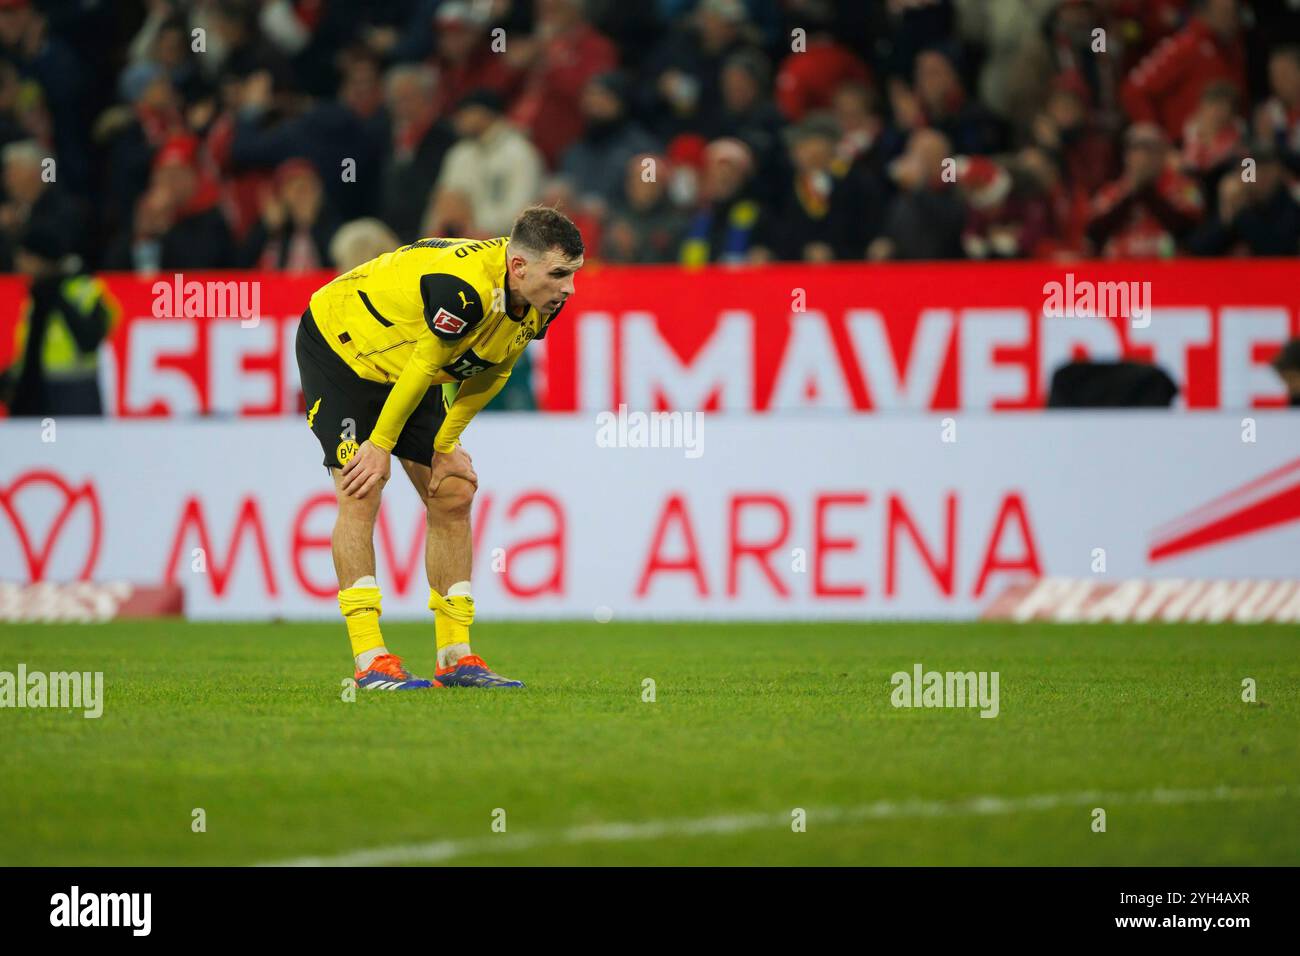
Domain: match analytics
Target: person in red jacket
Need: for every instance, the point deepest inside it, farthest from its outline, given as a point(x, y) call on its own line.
point(1166, 87)
point(464, 58)
point(808, 78)
point(566, 52)
point(1150, 207)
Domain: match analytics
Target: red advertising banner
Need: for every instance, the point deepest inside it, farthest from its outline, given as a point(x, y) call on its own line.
point(843, 337)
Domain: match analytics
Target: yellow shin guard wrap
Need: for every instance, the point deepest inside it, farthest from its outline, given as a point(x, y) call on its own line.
point(361, 608)
point(452, 618)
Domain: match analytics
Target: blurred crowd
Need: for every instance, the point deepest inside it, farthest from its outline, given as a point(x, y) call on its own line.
point(297, 135)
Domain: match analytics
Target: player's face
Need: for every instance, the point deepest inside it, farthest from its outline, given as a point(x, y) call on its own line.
point(549, 280)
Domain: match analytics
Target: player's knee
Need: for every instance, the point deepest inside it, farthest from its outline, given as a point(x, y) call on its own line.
point(454, 496)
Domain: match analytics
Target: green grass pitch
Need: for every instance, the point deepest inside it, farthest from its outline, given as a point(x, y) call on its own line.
point(749, 722)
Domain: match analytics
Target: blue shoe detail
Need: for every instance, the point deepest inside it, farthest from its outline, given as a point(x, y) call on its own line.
point(472, 671)
point(389, 675)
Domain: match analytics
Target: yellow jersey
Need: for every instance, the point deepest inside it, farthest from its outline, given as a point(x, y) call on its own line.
point(437, 310)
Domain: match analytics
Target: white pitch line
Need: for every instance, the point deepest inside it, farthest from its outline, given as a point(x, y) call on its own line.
point(440, 851)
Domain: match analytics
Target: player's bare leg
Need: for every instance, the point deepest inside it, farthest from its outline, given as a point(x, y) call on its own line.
point(448, 552)
point(448, 559)
point(353, 540)
point(360, 602)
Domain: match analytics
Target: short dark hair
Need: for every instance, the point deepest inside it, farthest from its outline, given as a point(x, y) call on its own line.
point(541, 229)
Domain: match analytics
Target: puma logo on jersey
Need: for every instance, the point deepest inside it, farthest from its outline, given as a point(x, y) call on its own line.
point(464, 302)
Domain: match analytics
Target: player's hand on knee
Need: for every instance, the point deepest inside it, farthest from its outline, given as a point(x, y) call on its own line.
point(369, 467)
point(447, 464)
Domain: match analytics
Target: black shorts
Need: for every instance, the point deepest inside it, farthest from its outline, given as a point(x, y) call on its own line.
point(342, 407)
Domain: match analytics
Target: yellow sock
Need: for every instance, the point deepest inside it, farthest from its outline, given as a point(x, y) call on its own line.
point(361, 607)
point(451, 620)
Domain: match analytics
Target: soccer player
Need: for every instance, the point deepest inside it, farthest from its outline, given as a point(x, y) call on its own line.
point(370, 346)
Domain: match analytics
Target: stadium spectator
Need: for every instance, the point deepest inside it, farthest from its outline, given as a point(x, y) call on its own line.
point(46, 59)
point(1287, 365)
point(1007, 216)
point(1075, 49)
point(1213, 139)
point(142, 247)
point(1068, 129)
point(275, 79)
point(937, 99)
point(360, 241)
point(1067, 204)
point(823, 213)
point(343, 138)
point(644, 223)
point(132, 131)
point(296, 226)
point(56, 340)
point(1144, 23)
point(491, 173)
point(595, 163)
point(400, 31)
point(912, 27)
point(558, 61)
point(464, 59)
point(197, 236)
point(1259, 218)
point(746, 105)
point(418, 142)
point(926, 218)
point(1145, 212)
point(1166, 87)
point(1012, 36)
point(809, 76)
point(681, 79)
point(166, 45)
point(722, 228)
point(686, 169)
point(34, 201)
point(235, 41)
point(748, 113)
point(1278, 118)
point(866, 143)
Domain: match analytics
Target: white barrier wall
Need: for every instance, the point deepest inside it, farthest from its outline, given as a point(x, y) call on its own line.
point(775, 517)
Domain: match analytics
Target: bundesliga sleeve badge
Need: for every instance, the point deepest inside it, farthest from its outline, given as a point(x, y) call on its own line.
point(451, 305)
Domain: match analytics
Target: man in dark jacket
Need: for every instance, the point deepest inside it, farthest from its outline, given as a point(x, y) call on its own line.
point(418, 140)
point(32, 198)
point(343, 138)
point(595, 164)
point(1259, 218)
point(821, 213)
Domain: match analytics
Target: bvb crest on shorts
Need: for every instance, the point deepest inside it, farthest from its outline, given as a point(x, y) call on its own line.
point(347, 448)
